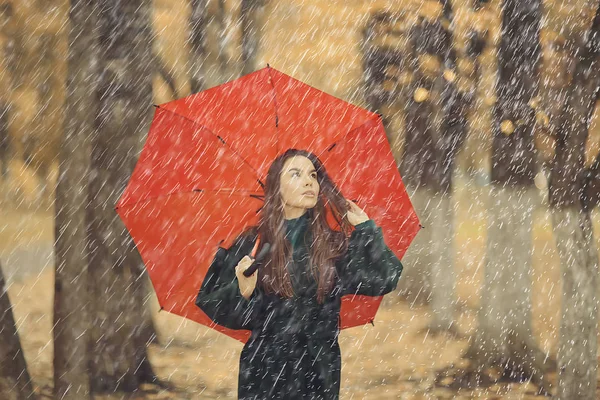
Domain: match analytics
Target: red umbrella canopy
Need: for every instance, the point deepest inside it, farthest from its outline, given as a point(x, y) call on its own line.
point(199, 179)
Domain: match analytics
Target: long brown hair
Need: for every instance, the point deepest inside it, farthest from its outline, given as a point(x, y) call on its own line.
point(327, 244)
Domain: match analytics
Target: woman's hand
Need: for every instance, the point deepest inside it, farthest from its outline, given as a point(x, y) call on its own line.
point(246, 284)
point(355, 214)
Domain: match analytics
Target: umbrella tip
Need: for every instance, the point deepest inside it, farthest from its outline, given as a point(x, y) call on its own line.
point(268, 66)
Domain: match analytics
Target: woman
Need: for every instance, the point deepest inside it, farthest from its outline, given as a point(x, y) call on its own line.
point(292, 302)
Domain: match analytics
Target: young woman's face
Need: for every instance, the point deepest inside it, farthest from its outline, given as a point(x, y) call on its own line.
point(298, 186)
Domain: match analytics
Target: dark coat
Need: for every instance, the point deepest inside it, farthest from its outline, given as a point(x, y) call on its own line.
point(293, 351)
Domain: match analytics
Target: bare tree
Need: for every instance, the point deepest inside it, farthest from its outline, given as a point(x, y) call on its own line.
point(222, 17)
point(572, 195)
point(420, 73)
point(197, 38)
point(447, 125)
point(6, 14)
point(119, 358)
point(46, 123)
point(4, 138)
point(71, 299)
point(390, 74)
point(250, 23)
point(504, 334)
point(15, 383)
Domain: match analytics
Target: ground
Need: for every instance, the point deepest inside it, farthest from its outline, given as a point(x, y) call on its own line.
point(390, 360)
point(393, 359)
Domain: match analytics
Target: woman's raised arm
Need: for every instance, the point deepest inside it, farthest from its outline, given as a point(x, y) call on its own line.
point(369, 267)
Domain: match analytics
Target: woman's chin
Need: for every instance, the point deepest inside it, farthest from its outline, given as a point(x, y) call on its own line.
point(310, 203)
point(306, 204)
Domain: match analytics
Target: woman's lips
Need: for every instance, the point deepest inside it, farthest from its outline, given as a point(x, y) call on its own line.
point(309, 194)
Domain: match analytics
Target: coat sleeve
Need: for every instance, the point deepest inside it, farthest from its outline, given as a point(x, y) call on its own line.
point(219, 296)
point(369, 266)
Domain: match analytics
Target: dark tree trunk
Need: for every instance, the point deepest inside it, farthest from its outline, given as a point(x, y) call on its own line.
point(4, 139)
point(435, 128)
point(571, 201)
point(6, 17)
point(250, 33)
point(388, 75)
point(591, 185)
point(413, 63)
point(197, 44)
point(144, 331)
point(223, 26)
point(167, 76)
point(46, 122)
point(437, 110)
point(119, 361)
point(71, 297)
point(475, 145)
point(448, 129)
point(15, 383)
point(374, 62)
point(504, 336)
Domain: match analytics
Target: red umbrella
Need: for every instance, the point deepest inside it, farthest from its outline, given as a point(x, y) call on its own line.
point(199, 179)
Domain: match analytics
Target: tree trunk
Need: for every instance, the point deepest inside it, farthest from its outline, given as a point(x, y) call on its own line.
point(451, 130)
point(15, 383)
point(412, 62)
point(249, 21)
point(504, 334)
point(197, 44)
point(417, 281)
point(578, 335)
point(475, 151)
point(4, 139)
point(379, 86)
point(223, 42)
point(125, 95)
point(577, 349)
point(442, 273)
point(71, 297)
point(144, 332)
point(6, 82)
point(418, 160)
point(47, 124)
point(436, 128)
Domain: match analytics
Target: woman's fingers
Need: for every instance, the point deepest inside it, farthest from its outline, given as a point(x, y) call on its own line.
point(244, 264)
point(352, 206)
point(355, 213)
point(355, 208)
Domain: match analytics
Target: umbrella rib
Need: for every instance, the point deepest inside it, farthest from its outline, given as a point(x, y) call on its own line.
point(220, 139)
point(236, 192)
point(275, 105)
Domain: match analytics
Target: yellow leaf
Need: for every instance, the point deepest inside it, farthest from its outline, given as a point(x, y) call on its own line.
point(421, 94)
point(449, 75)
point(507, 127)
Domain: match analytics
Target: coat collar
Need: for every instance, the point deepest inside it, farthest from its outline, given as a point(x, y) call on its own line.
point(294, 228)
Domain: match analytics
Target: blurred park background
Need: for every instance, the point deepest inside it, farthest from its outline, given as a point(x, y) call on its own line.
point(434, 70)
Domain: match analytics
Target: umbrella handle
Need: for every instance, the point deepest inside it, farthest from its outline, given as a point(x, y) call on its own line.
point(254, 266)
